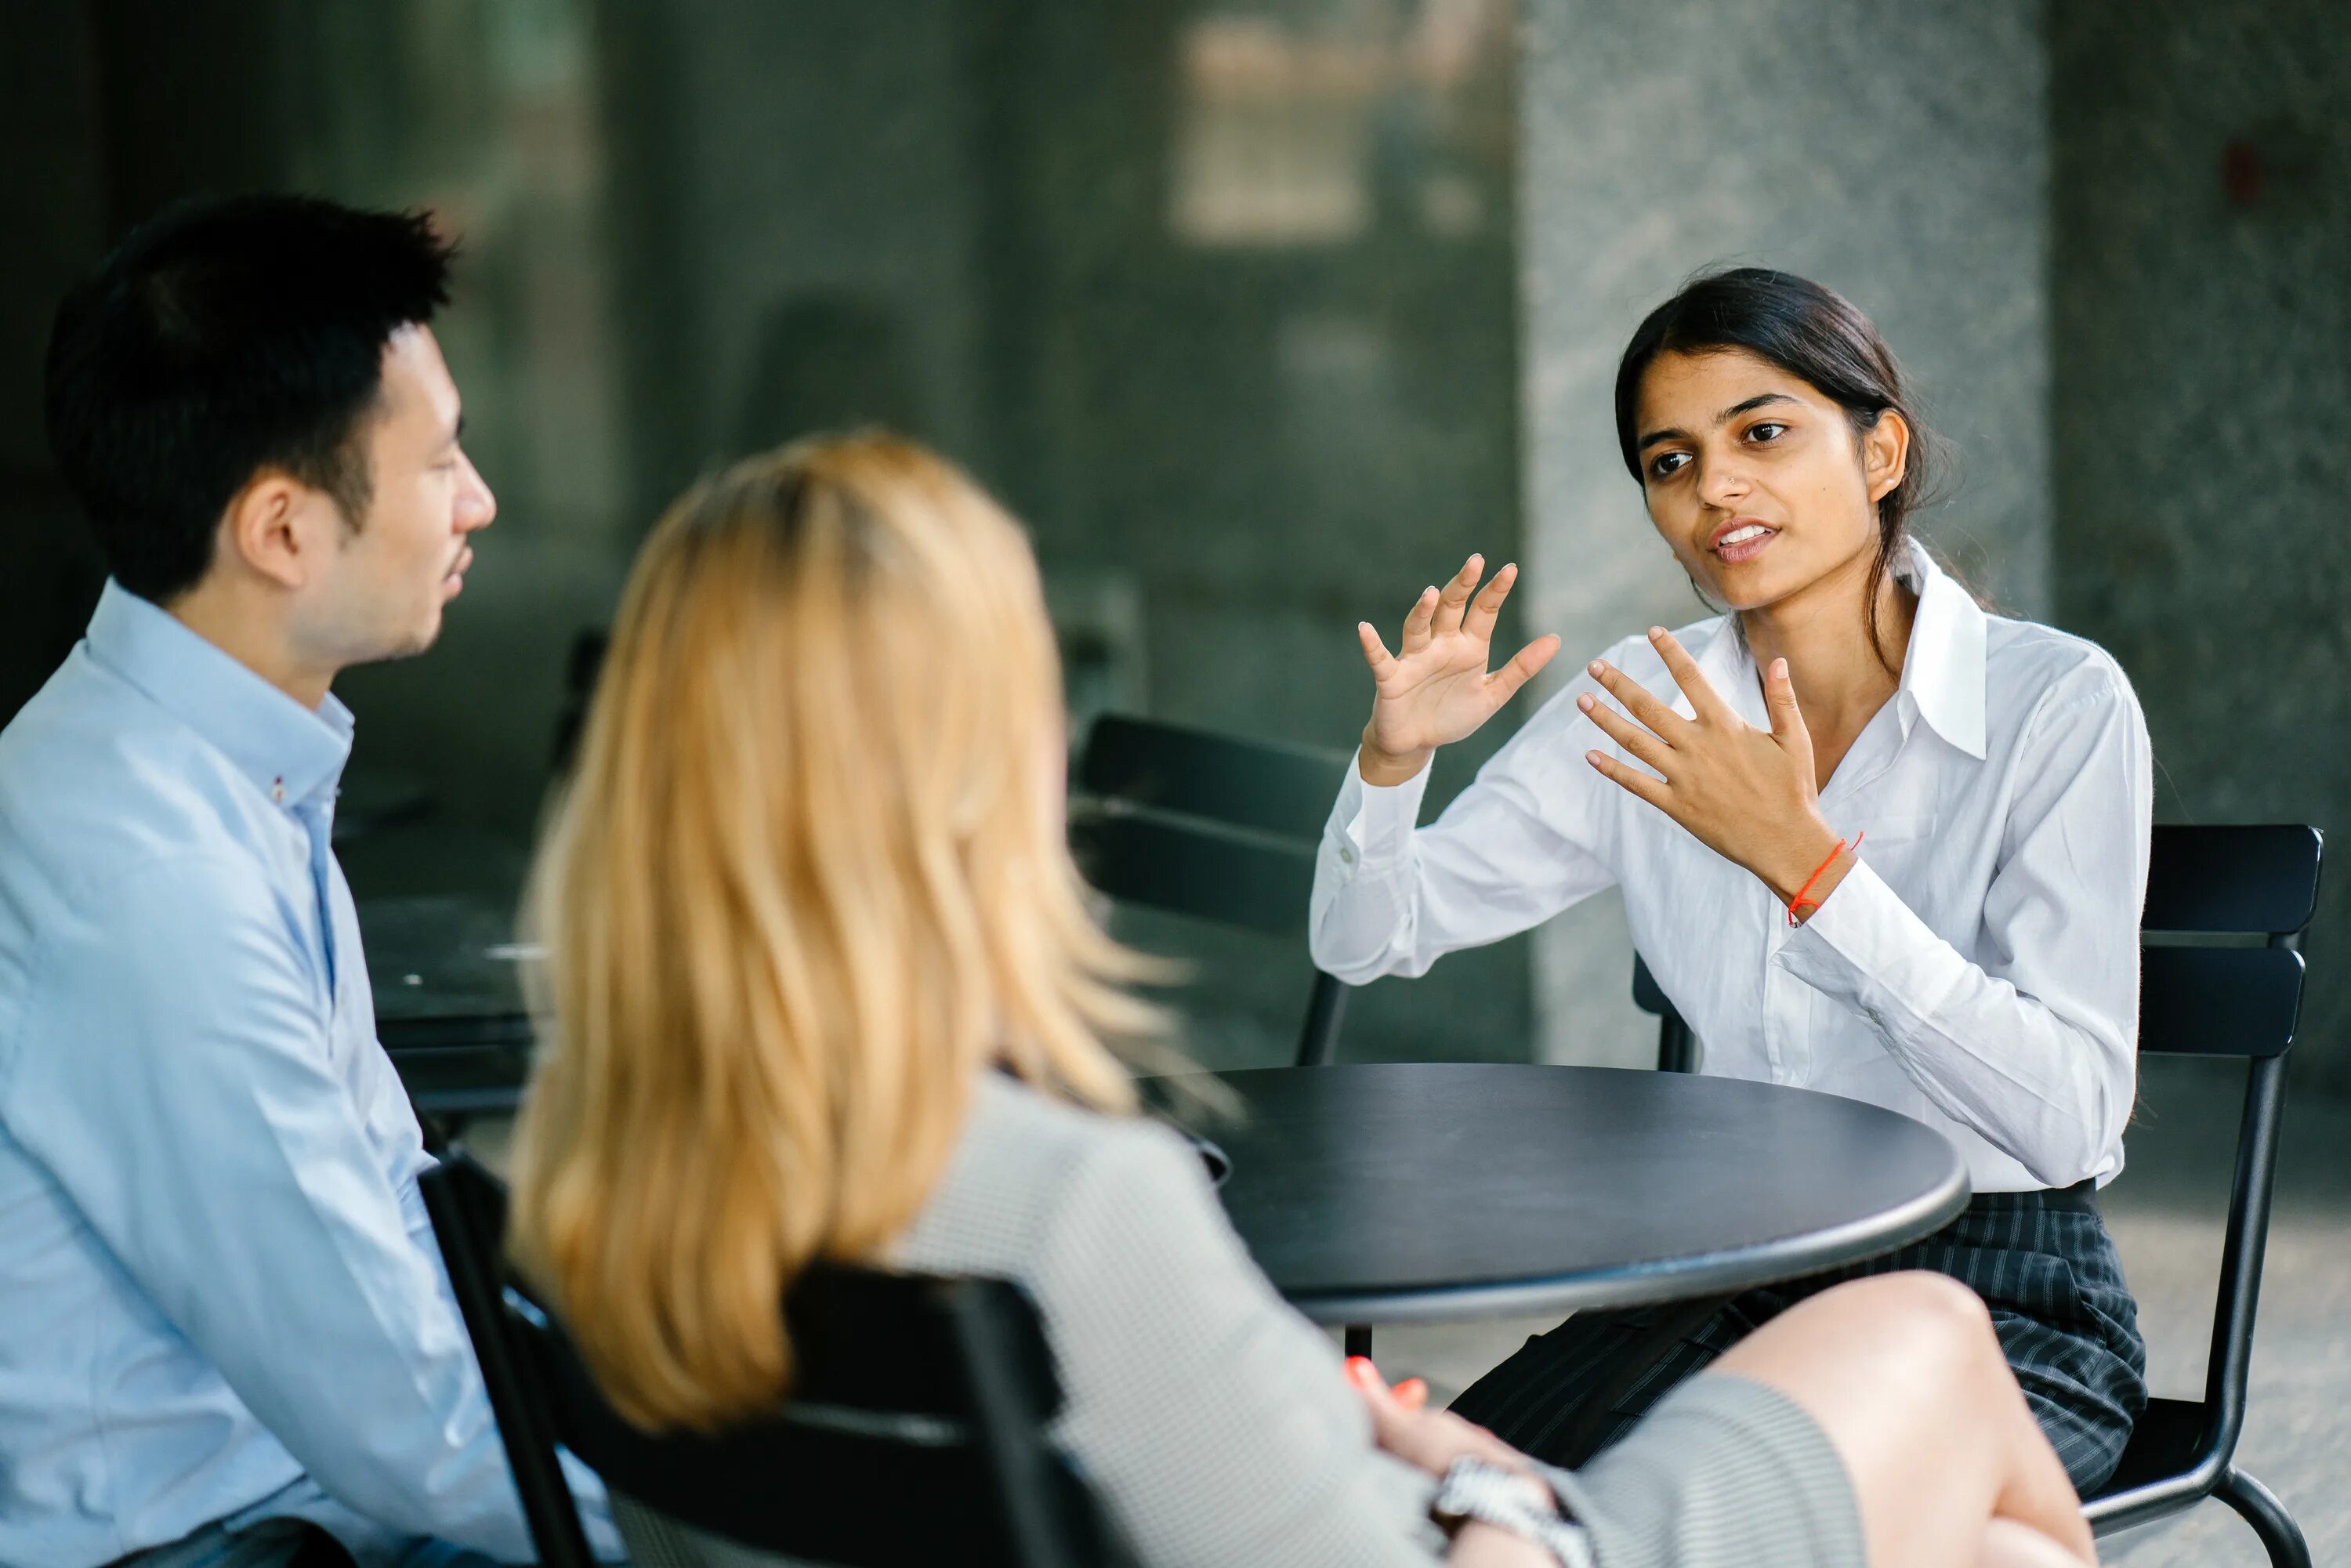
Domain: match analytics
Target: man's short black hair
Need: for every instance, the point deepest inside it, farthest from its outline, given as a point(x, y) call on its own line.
point(224, 337)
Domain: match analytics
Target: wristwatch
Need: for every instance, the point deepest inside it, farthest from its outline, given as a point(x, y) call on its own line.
point(1473, 1489)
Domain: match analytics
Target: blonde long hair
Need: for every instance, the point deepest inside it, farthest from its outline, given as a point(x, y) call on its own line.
point(809, 882)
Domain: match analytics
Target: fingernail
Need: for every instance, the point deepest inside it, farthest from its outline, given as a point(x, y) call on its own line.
point(1585, 701)
point(1657, 632)
point(1593, 757)
point(1596, 668)
point(1360, 1368)
point(1412, 1390)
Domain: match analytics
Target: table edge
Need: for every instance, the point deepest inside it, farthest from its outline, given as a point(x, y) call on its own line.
point(1640, 1284)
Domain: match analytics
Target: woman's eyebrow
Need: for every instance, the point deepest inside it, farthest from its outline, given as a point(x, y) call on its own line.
point(1760, 399)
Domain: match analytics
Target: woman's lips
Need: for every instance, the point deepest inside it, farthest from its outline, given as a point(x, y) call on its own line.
point(1745, 542)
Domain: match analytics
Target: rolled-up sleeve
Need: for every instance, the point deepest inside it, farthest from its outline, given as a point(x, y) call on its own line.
point(179, 1094)
point(2035, 1046)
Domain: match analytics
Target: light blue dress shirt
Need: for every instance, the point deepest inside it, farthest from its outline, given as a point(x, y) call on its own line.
point(219, 1293)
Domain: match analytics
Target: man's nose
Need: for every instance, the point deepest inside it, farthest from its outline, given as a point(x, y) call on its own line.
point(477, 507)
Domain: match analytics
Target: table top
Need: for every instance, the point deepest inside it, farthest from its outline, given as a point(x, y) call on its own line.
point(1391, 1193)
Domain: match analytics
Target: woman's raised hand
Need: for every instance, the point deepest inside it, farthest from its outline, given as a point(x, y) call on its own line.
point(1747, 794)
point(1434, 689)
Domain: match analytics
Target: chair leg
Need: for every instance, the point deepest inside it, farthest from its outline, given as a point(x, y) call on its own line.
point(1326, 1007)
point(1677, 1045)
point(2260, 1508)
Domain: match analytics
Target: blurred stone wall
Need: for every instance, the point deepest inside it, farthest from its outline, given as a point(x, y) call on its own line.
point(1250, 350)
point(1900, 157)
point(2202, 411)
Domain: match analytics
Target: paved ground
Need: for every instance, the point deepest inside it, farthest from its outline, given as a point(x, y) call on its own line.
point(2166, 1214)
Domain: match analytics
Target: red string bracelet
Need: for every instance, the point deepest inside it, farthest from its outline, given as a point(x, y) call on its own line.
point(1800, 901)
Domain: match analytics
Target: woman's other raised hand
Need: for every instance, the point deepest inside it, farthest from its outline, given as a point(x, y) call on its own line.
point(1747, 794)
point(1436, 689)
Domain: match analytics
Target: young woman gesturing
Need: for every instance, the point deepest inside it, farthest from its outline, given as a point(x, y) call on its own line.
point(1872, 839)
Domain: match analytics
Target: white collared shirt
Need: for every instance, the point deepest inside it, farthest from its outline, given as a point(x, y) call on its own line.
point(1978, 971)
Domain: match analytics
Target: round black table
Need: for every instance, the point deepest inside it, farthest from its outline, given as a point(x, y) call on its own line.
point(1427, 1191)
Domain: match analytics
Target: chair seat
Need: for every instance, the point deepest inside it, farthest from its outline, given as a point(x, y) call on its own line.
point(2167, 1442)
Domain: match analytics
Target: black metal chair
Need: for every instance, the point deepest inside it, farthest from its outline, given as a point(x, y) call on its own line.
point(916, 1432)
point(1211, 827)
point(2220, 976)
point(1677, 1044)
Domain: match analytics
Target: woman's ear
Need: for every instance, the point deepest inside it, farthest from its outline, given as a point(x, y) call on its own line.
point(1886, 455)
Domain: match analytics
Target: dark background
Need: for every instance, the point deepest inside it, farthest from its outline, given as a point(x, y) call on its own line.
point(1262, 313)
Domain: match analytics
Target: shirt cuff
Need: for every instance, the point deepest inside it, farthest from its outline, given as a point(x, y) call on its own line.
point(1371, 824)
point(1868, 949)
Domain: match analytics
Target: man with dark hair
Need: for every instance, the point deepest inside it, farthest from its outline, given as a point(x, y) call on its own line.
point(228, 1337)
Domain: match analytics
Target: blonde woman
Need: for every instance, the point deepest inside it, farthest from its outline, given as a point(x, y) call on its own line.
point(824, 986)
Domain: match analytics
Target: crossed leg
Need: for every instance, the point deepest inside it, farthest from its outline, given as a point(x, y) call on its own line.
point(1907, 1379)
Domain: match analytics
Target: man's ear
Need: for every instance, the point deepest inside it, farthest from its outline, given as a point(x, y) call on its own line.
point(1886, 455)
point(271, 529)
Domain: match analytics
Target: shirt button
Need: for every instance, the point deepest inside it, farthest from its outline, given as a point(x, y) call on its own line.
point(1346, 855)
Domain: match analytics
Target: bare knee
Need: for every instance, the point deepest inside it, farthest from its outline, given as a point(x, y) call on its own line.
point(1930, 1302)
point(1941, 1329)
point(1923, 1332)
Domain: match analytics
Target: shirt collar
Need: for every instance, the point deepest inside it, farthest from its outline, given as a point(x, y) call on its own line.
point(289, 752)
point(1942, 674)
point(1944, 671)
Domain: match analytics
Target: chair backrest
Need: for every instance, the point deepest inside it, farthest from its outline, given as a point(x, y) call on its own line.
point(1212, 827)
point(1201, 824)
point(916, 1429)
point(2219, 975)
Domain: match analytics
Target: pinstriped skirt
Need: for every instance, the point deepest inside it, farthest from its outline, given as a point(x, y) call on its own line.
point(2041, 1261)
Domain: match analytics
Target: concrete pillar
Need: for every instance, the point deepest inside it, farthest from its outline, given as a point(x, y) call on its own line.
point(1899, 156)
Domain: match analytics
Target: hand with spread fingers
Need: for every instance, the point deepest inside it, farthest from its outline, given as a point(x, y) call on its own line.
point(1434, 689)
point(1747, 794)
